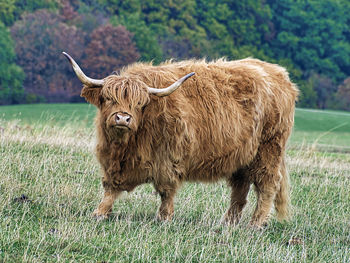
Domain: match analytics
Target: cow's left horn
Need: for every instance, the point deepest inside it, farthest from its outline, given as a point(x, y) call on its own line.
point(171, 88)
point(81, 76)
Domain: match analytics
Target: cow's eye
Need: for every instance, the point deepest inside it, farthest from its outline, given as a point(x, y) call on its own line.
point(102, 100)
point(110, 102)
point(140, 105)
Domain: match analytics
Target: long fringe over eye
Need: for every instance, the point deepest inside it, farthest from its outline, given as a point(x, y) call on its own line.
point(127, 89)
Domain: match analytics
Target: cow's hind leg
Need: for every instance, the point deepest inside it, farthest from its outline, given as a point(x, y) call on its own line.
point(266, 176)
point(240, 185)
point(105, 207)
point(265, 196)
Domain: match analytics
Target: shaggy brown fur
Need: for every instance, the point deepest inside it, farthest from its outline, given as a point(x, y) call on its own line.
point(230, 121)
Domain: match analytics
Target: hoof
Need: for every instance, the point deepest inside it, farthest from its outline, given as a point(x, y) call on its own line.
point(164, 218)
point(259, 227)
point(99, 216)
point(230, 220)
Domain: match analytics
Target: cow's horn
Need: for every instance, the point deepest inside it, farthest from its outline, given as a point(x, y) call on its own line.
point(80, 74)
point(171, 88)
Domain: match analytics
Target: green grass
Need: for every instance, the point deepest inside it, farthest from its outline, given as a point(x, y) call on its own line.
point(327, 129)
point(49, 158)
point(51, 114)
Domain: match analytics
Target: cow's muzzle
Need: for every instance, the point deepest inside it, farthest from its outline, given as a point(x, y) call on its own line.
point(123, 120)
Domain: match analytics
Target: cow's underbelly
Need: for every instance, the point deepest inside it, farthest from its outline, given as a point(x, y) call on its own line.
point(215, 157)
point(213, 169)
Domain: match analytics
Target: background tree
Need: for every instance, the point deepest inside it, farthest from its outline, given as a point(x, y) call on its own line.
point(342, 97)
point(145, 40)
point(11, 75)
point(11, 10)
point(172, 22)
point(7, 10)
point(314, 35)
point(40, 39)
point(110, 48)
point(324, 89)
point(237, 28)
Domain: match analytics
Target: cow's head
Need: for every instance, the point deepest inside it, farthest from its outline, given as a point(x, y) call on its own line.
point(121, 99)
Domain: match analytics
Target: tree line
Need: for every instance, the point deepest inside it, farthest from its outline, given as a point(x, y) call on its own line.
point(311, 38)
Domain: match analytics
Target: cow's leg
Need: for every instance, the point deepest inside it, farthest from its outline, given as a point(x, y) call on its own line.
point(105, 207)
point(265, 197)
point(240, 185)
point(266, 177)
point(167, 194)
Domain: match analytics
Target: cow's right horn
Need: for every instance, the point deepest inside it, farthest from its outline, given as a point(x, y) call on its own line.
point(80, 74)
point(167, 91)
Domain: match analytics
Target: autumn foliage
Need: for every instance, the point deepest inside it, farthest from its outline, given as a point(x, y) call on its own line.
point(42, 36)
point(110, 48)
point(343, 95)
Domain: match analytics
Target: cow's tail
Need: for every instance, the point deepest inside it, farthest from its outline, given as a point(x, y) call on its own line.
point(282, 200)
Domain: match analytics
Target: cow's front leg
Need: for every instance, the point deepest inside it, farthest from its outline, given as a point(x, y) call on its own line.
point(166, 209)
point(105, 207)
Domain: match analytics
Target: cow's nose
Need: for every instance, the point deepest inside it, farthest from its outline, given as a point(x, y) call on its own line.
point(122, 119)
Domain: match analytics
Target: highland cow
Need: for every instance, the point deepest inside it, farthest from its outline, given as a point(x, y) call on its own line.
point(223, 120)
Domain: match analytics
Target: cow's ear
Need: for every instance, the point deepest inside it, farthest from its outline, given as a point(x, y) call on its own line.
point(92, 95)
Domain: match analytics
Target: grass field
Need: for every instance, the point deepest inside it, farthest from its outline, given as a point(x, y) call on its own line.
point(50, 184)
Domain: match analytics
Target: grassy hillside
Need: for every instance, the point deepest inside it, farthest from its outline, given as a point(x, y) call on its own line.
point(50, 184)
point(327, 129)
